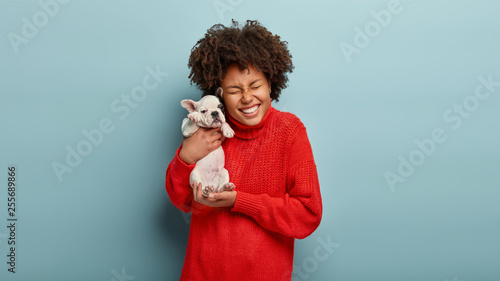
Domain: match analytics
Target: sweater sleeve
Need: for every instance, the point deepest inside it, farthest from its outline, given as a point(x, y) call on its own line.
point(298, 213)
point(177, 183)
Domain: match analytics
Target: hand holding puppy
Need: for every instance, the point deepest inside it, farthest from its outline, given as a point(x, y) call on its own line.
point(222, 199)
point(200, 144)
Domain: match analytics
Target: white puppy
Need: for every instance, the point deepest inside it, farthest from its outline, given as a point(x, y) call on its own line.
point(209, 171)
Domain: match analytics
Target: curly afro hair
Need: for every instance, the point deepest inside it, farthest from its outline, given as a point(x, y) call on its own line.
point(251, 43)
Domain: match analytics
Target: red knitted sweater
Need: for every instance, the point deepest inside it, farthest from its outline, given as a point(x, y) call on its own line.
point(278, 199)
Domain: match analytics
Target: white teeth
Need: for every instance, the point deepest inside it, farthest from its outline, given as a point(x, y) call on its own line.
point(250, 110)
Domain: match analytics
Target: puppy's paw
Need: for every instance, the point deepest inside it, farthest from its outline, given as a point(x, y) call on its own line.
point(227, 131)
point(207, 190)
point(228, 186)
point(194, 117)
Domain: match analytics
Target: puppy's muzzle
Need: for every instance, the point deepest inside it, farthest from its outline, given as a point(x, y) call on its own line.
point(215, 115)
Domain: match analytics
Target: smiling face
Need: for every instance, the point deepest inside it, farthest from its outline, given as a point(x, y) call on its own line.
point(246, 94)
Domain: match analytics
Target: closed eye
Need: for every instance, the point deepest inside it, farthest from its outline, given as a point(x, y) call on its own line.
point(203, 111)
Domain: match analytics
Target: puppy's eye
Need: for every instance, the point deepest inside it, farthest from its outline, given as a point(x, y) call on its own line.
point(203, 111)
point(220, 106)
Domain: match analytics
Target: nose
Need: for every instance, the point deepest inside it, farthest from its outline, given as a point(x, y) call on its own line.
point(215, 114)
point(247, 97)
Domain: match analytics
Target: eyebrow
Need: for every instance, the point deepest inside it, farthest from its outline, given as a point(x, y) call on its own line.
point(251, 83)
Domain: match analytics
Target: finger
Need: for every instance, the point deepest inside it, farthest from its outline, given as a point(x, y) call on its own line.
point(214, 196)
point(195, 187)
point(200, 192)
point(197, 191)
point(210, 131)
point(214, 145)
point(217, 196)
point(216, 135)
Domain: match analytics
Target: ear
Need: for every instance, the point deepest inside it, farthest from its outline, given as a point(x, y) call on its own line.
point(218, 93)
point(190, 105)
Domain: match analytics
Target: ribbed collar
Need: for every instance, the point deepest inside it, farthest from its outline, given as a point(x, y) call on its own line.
point(243, 131)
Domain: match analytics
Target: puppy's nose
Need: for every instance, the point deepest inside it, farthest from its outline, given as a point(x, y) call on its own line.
point(215, 114)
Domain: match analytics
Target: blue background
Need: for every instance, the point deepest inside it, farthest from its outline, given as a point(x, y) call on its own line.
point(363, 113)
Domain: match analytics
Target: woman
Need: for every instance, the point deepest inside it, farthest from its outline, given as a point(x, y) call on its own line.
point(247, 233)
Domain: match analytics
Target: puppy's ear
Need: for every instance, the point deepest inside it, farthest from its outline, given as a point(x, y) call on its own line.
point(190, 105)
point(218, 93)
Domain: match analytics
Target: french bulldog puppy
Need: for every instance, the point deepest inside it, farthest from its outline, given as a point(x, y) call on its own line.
point(209, 171)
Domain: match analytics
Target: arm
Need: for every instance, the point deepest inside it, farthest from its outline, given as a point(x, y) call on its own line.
point(177, 183)
point(298, 213)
